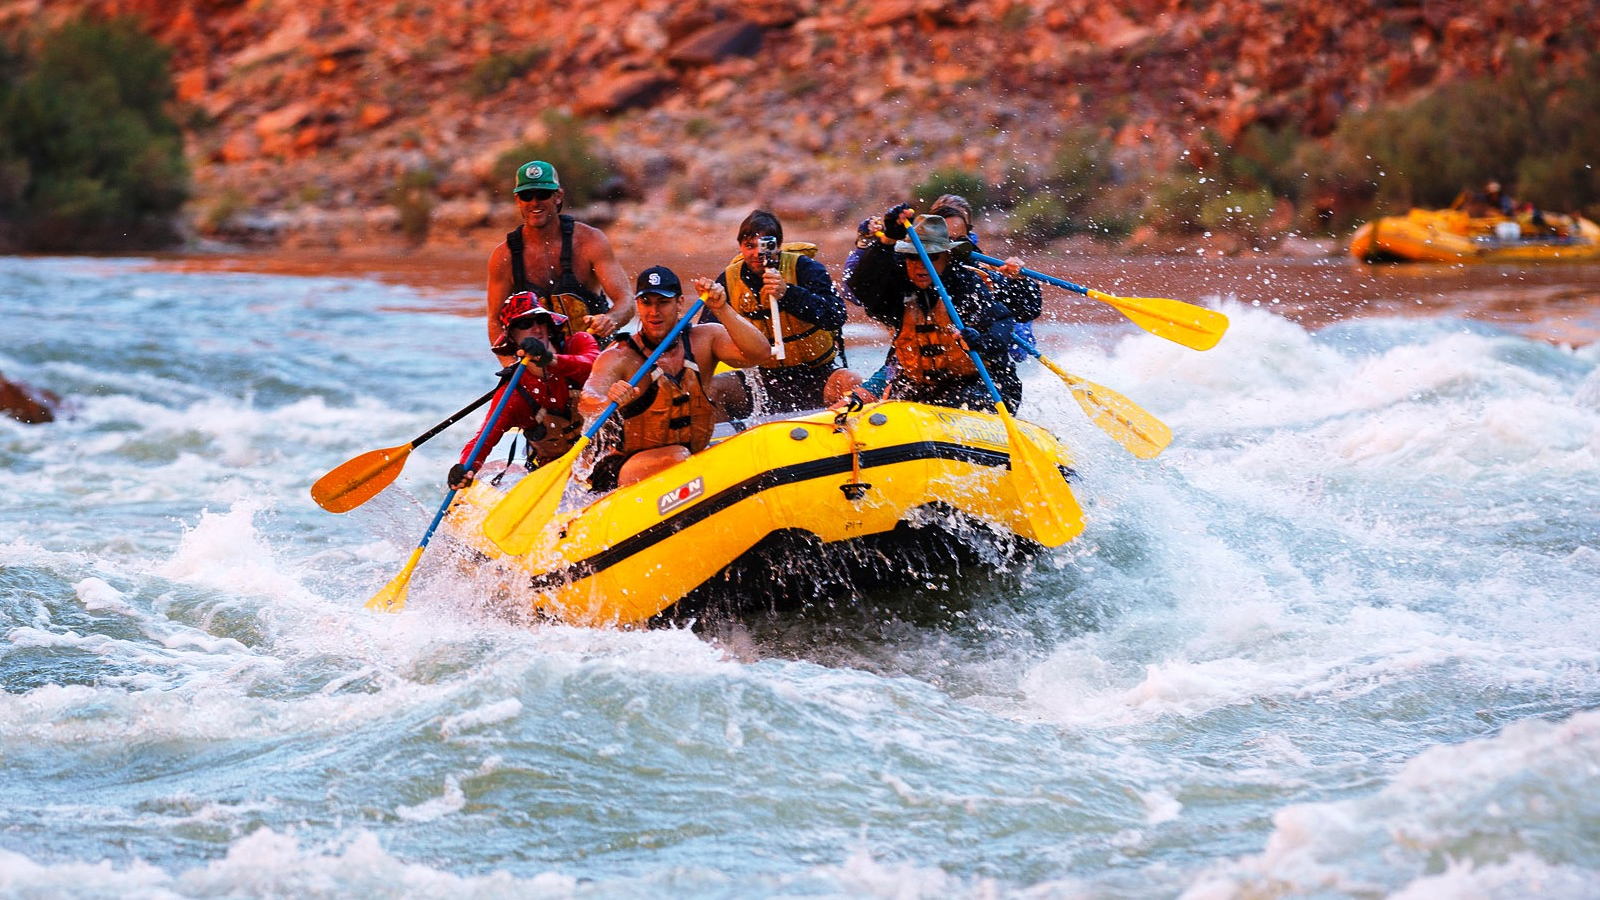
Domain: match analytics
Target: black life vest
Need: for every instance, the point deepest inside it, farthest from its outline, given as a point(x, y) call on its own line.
point(566, 295)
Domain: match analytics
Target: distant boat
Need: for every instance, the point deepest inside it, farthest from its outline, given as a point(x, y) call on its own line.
point(1450, 235)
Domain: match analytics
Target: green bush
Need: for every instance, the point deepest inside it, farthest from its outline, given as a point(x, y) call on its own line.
point(952, 181)
point(492, 73)
point(1533, 131)
point(90, 158)
point(1041, 217)
point(585, 173)
point(412, 196)
point(1079, 172)
point(1238, 211)
point(1175, 203)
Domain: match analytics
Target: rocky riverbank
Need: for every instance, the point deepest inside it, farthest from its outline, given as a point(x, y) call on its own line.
point(304, 116)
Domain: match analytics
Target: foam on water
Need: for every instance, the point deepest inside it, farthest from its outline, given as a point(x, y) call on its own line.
point(1503, 817)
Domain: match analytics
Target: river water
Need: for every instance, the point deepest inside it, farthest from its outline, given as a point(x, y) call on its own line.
point(1341, 640)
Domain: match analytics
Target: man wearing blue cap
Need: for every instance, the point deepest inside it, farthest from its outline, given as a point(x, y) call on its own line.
point(569, 265)
point(668, 416)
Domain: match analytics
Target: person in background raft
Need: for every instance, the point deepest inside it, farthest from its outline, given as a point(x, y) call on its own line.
point(1019, 293)
point(570, 265)
point(1492, 201)
point(545, 403)
point(669, 416)
point(933, 364)
point(810, 316)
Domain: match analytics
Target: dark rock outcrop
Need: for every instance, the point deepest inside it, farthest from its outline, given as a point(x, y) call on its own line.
point(25, 404)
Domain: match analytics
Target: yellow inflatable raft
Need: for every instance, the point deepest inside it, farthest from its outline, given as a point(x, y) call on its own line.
point(860, 489)
point(1450, 235)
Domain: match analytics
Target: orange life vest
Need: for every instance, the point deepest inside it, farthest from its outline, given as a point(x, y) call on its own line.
point(671, 410)
point(804, 343)
point(928, 347)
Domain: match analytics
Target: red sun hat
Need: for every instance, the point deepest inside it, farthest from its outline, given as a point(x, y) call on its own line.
point(526, 303)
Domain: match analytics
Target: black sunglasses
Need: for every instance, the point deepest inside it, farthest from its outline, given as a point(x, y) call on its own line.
point(535, 194)
point(524, 321)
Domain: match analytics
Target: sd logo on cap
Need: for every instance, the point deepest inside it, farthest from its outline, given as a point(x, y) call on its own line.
point(658, 280)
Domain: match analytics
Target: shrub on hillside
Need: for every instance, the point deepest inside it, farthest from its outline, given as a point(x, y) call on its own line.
point(586, 174)
point(89, 157)
point(952, 181)
point(412, 197)
point(492, 73)
point(1074, 194)
point(1080, 170)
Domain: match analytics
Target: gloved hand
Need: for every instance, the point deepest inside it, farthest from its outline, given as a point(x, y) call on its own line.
point(506, 372)
point(867, 231)
point(972, 337)
point(537, 351)
point(459, 478)
point(892, 226)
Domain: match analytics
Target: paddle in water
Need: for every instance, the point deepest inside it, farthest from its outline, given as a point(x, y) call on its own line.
point(1052, 511)
point(1182, 323)
point(515, 523)
point(360, 479)
point(393, 596)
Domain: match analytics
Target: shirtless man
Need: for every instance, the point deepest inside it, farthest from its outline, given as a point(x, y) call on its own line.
point(568, 264)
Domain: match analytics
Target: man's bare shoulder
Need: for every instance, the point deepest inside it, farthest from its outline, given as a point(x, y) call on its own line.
point(617, 354)
point(588, 237)
point(703, 338)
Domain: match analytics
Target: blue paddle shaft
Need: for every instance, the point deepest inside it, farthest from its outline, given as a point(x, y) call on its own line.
point(472, 458)
point(649, 363)
point(950, 307)
point(1036, 276)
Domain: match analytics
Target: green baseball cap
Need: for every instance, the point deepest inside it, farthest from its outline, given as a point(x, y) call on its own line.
point(536, 175)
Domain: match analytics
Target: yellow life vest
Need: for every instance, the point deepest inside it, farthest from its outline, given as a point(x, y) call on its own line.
point(570, 305)
point(928, 348)
point(804, 343)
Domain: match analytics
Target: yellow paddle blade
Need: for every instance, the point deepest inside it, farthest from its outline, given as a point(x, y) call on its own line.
point(1142, 434)
point(360, 479)
point(393, 596)
point(517, 520)
point(1177, 321)
point(1052, 511)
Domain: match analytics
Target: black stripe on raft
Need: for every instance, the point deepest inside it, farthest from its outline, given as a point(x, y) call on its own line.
point(754, 485)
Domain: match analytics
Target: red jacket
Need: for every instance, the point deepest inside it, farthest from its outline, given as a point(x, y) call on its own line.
point(553, 393)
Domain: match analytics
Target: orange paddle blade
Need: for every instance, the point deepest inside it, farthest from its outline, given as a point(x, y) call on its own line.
point(359, 480)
